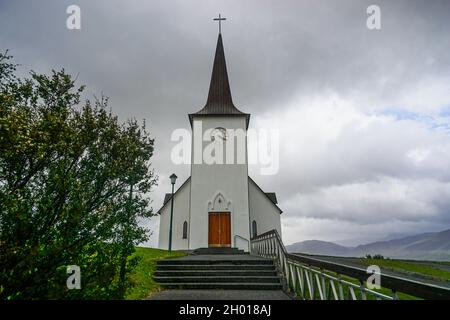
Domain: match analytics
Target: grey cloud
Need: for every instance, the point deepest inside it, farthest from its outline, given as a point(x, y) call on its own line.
point(153, 59)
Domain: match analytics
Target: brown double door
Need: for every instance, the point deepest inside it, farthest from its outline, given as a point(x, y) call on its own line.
point(219, 229)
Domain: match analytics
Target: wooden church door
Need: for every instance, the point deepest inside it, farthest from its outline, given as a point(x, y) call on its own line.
point(219, 229)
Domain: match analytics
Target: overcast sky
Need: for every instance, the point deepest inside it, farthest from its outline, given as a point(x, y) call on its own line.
point(364, 115)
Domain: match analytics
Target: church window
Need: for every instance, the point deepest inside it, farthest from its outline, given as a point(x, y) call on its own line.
point(185, 230)
point(254, 229)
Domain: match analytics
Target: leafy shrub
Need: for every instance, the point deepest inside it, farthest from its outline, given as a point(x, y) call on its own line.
point(72, 189)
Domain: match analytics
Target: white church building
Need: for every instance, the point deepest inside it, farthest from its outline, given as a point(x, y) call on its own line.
point(219, 205)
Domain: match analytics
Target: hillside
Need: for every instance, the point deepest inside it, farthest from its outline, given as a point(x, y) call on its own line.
point(425, 246)
point(142, 275)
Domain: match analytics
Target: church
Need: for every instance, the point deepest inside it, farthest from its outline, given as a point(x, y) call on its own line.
point(219, 205)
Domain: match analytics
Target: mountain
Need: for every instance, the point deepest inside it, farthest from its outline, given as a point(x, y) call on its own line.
point(319, 247)
point(425, 246)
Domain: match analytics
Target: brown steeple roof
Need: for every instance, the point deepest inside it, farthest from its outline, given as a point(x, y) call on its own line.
point(219, 100)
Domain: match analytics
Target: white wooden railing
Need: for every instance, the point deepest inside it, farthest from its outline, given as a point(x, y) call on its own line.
point(310, 278)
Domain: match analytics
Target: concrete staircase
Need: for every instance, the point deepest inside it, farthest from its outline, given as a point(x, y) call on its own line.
point(220, 271)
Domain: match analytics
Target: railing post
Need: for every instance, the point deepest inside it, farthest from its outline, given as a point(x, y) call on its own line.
point(352, 293)
point(341, 289)
point(286, 271)
point(319, 288)
point(309, 284)
point(324, 286)
point(272, 241)
point(286, 267)
point(395, 295)
point(363, 290)
point(333, 290)
point(277, 249)
point(271, 247)
point(301, 282)
point(294, 280)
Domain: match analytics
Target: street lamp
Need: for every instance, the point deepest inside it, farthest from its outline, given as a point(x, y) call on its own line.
point(173, 179)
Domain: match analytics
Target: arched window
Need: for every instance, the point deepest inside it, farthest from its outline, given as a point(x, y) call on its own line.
point(185, 230)
point(254, 229)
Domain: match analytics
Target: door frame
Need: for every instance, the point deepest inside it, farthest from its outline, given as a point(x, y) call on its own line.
point(231, 229)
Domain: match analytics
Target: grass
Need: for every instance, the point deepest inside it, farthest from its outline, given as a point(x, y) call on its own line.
point(382, 290)
point(143, 273)
point(420, 269)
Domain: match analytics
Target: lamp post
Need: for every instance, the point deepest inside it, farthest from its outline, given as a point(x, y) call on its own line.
point(173, 179)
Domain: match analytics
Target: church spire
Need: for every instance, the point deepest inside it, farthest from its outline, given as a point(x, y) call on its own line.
point(219, 94)
point(219, 100)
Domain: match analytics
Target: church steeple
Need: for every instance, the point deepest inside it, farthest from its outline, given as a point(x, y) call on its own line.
point(219, 100)
point(219, 96)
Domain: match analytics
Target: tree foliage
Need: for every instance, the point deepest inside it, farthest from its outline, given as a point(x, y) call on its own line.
point(73, 185)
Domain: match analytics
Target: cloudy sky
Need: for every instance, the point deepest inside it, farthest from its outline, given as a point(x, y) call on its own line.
point(364, 115)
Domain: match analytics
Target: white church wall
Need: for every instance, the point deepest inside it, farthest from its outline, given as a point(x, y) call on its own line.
point(228, 179)
point(180, 214)
point(262, 210)
point(164, 228)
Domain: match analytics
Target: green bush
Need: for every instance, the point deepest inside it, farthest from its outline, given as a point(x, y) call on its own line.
point(73, 181)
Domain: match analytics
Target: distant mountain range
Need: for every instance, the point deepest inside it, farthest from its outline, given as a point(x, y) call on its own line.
point(425, 246)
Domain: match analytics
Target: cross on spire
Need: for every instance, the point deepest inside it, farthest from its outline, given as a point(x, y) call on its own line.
point(220, 19)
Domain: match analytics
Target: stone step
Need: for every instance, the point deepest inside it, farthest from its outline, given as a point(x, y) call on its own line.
point(221, 267)
point(215, 271)
point(217, 279)
point(218, 251)
point(215, 262)
point(224, 286)
point(207, 273)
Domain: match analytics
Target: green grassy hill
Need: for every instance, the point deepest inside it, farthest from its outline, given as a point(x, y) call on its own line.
point(436, 270)
point(142, 275)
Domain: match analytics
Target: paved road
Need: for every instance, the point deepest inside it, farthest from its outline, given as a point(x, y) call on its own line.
point(219, 295)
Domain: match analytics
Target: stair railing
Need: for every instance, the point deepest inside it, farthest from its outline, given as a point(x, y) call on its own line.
point(270, 245)
point(245, 239)
point(311, 278)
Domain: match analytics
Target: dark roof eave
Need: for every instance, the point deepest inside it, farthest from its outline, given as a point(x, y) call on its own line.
point(246, 115)
point(272, 196)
